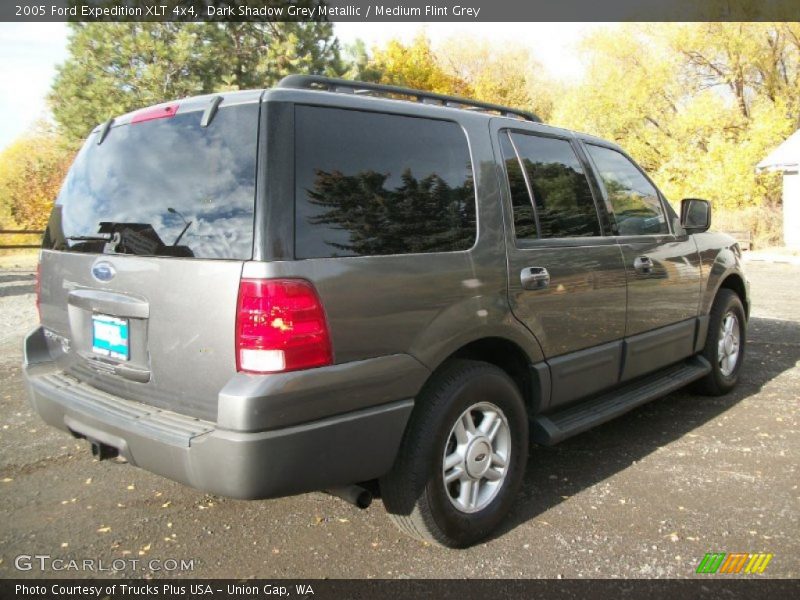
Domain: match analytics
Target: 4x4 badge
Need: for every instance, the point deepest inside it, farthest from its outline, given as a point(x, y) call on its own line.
point(103, 271)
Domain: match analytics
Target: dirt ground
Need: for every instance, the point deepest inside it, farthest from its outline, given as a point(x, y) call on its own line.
point(644, 496)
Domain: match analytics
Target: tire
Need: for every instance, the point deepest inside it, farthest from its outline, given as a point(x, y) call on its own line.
point(414, 491)
point(727, 311)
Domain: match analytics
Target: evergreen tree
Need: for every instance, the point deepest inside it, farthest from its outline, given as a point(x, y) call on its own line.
point(113, 68)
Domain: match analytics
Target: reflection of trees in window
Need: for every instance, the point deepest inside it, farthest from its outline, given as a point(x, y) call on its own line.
point(564, 201)
point(634, 211)
point(420, 215)
point(524, 220)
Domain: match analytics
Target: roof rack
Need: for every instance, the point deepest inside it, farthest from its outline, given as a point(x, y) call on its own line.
point(346, 86)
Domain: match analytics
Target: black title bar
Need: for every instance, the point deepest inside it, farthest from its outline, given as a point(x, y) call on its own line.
point(710, 588)
point(468, 11)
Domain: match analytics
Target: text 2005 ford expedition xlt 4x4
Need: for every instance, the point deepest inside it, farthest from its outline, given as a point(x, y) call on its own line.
point(270, 292)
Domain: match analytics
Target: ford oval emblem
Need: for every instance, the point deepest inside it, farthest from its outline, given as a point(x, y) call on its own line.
point(103, 271)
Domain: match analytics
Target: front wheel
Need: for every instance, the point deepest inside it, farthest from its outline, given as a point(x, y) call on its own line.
point(462, 458)
point(725, 344)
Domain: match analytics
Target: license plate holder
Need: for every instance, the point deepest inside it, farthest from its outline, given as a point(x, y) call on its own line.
point(110, 337)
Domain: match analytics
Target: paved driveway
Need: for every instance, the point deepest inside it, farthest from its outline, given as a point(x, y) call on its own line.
point(644, 496)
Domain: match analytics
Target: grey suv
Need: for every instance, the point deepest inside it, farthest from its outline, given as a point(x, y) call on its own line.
point(334, 285)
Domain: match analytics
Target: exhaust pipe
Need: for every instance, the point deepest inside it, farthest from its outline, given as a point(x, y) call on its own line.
point(354, 494)
point(103, 451)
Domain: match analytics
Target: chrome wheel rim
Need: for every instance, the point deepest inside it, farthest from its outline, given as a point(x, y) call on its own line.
point(728, 345)
point(476, 457)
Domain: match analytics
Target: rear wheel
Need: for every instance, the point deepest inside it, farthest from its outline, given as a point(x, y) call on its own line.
point(463, 456)
point(725, 344)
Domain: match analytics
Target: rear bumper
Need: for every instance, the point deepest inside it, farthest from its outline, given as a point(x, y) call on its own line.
point(347, 448)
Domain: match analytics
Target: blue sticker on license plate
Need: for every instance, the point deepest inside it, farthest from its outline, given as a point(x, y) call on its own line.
point(110, 337)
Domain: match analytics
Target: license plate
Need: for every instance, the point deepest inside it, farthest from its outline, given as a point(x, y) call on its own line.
point(110, 337)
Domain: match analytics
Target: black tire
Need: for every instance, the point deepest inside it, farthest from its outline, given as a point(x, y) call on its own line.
point(717, 382)
point(414, 491)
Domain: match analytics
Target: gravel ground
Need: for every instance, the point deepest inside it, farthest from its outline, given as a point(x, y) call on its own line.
point(644, 496)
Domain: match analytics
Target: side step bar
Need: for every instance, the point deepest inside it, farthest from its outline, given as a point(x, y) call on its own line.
point(553, 428)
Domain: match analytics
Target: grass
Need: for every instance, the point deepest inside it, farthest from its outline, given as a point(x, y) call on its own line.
point(19, 259)
point(765, 224)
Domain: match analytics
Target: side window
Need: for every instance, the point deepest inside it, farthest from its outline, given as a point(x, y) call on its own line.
point(521, 205)
point(561, 194)
point(372, 184)
point(637, 208)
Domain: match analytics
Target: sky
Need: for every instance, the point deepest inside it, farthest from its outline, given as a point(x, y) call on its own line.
point(29, 53)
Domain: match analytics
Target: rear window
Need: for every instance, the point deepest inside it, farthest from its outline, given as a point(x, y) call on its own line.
point(373, 184)
point(164, 187)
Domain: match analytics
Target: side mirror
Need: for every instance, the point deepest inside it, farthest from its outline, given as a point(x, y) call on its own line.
point(695, 215)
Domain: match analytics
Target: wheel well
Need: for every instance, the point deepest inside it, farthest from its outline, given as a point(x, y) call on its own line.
point(735, 283)
point(510, 358)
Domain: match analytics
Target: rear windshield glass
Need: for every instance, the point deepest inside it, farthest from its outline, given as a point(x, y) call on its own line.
point(165, 187)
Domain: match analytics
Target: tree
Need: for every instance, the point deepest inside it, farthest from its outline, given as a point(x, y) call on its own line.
point(31, 172)
point(510, 77)
point(360, 66)
point(113, 68)
point(415, 66)
point(698, 105)
point(259, 54)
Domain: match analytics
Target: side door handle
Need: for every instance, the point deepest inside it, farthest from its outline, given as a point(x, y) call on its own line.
point(534, 278)
point(643, 265)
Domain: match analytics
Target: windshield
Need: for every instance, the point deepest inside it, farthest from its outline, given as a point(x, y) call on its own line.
point(164, 187)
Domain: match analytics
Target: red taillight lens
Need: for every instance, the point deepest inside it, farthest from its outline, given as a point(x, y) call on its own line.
point(39, 290)
point(280, 326)
point(150, 114)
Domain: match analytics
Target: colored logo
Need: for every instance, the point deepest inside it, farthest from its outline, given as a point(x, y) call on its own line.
point(734, 562)
point(103, 271)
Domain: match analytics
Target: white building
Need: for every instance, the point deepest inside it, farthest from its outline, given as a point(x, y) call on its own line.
point(786, 159)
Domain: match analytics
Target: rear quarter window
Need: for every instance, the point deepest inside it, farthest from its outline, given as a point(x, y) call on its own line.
point(375, 184)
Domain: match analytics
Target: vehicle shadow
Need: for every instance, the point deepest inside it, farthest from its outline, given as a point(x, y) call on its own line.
point(21, 283)
point(566, 469)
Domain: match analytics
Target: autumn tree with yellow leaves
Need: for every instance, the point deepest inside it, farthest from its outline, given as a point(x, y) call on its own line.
point(31, 172)
point(699, 105)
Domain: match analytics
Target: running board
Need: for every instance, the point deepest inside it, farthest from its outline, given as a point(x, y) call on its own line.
point(553, 428)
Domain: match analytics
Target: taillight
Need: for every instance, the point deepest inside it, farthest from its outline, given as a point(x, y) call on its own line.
point(39, 290)
point(150, 114)
point(280, 326)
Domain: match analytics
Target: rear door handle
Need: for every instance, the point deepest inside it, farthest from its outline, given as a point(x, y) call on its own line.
point(534, 278)
point(643, 264)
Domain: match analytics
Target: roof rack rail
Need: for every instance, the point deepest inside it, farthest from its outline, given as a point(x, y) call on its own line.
point(346, 86)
